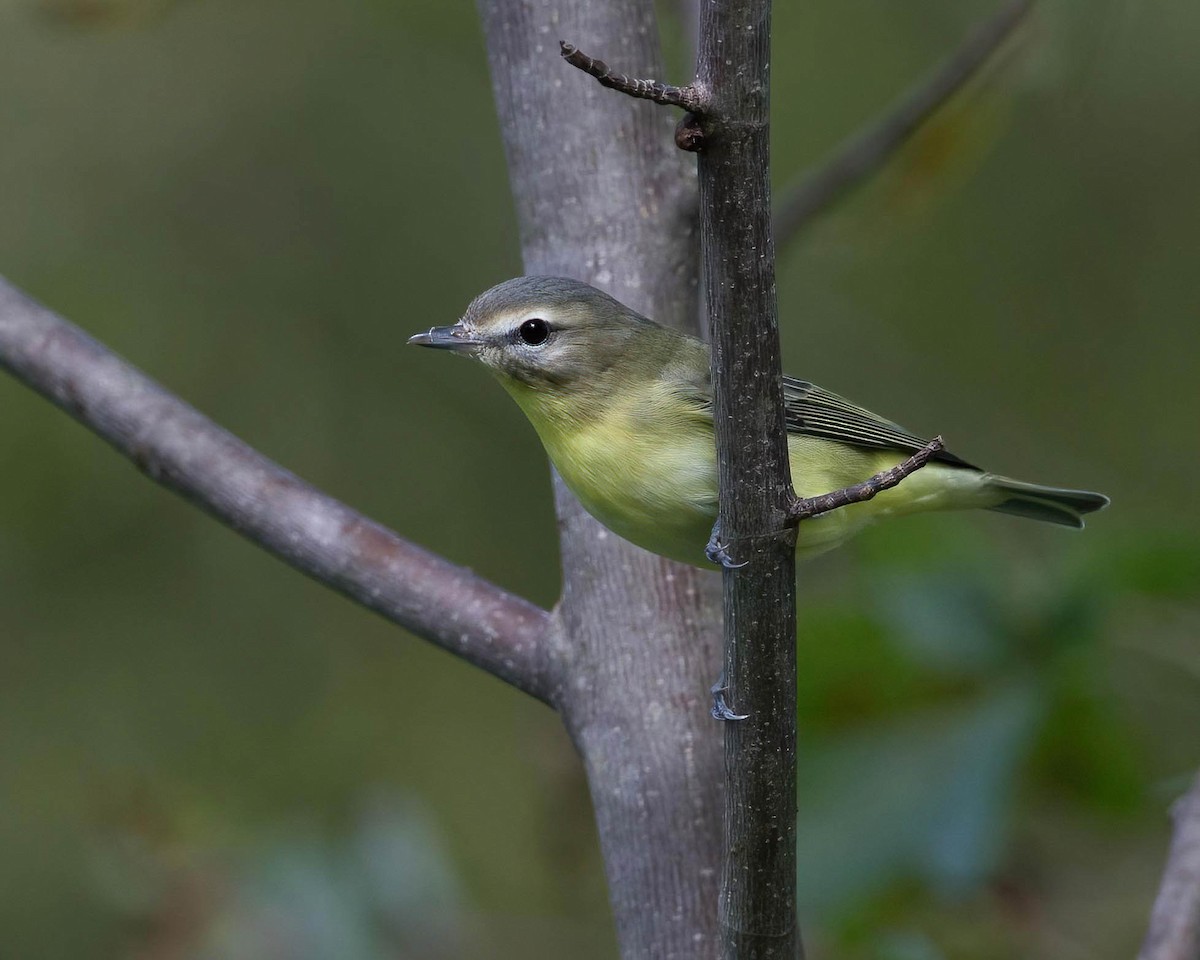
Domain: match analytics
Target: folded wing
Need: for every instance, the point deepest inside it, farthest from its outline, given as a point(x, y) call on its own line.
point(815, 412)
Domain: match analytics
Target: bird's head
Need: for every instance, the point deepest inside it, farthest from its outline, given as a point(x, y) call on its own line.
point(545, 334)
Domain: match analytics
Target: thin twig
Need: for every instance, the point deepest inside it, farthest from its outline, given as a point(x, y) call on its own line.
point(181, 449)
point(868, 150)
point(690, 97)
point(805, 507)
point(1175, 922)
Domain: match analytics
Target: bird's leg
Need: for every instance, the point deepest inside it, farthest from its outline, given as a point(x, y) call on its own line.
point(718, 552)
point(721, 710)
point(801, 508)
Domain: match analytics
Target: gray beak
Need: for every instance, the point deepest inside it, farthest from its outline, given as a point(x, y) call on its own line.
point(447, 338)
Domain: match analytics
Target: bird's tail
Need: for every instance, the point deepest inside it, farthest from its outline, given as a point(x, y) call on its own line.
point(1049, 504)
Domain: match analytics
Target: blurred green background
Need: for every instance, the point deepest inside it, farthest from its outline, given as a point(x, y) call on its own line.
point(203, 754)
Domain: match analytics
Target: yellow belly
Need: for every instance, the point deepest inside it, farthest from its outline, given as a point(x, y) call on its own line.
point(658, 487)
point(663, 497)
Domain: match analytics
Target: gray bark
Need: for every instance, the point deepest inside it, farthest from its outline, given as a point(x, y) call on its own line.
point(1174, 932)
point(602, 195)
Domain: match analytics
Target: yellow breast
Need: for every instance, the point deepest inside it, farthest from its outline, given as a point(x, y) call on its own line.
point(654, 487)
point(645, 467)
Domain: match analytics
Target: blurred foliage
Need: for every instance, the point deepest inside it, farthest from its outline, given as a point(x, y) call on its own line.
point(938, 716)
point(379, 889)
point(204, 755)
point(95, 14)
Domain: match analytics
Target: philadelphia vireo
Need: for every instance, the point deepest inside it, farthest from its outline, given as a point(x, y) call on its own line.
point(623, 407)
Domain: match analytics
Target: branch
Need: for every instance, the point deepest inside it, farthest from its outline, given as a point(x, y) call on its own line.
point(757, 912)
point(1175, 922)
point(181, 449)
point(865, 152)
point(690, 97)
point(803, 508)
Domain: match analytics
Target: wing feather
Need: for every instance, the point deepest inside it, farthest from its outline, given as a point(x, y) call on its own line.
point(815, 412)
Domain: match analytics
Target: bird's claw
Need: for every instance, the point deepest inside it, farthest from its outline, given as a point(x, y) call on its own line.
point(721, 710)
point(718, 552)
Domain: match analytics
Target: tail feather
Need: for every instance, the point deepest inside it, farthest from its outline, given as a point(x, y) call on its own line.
point(1049, 504)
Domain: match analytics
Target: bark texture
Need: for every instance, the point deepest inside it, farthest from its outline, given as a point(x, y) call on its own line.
point(1174, 932)
point(758, 888)
point(602, 195)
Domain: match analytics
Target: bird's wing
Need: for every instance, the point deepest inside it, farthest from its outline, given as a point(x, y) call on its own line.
point(815, 412)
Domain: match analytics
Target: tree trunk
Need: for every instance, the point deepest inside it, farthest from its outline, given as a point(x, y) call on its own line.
point(602, 195)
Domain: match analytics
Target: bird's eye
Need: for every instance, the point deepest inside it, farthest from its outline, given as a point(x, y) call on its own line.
point(534, 331)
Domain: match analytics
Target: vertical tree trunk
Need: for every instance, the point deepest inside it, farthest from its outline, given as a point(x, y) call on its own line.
point(602, 195)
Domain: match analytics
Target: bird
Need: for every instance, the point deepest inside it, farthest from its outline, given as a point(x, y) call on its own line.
point(623, 406)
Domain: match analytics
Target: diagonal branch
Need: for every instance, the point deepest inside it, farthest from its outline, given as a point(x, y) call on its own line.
point(1175, 923)
point(690, 97)
point(868, 150)
point(805, 507)
point(181, 449)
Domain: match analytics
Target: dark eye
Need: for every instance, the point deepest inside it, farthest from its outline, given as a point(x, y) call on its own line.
point(534, 331)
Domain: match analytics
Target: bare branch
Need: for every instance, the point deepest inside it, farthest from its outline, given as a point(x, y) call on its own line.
point(181, 449)
point(803, 508)
point(757, 911)
point(868, 150)
point(689, 97)
point(1175, 922)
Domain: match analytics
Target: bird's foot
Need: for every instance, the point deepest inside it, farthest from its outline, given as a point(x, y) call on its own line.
point(718, 552)
point(721, 710)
